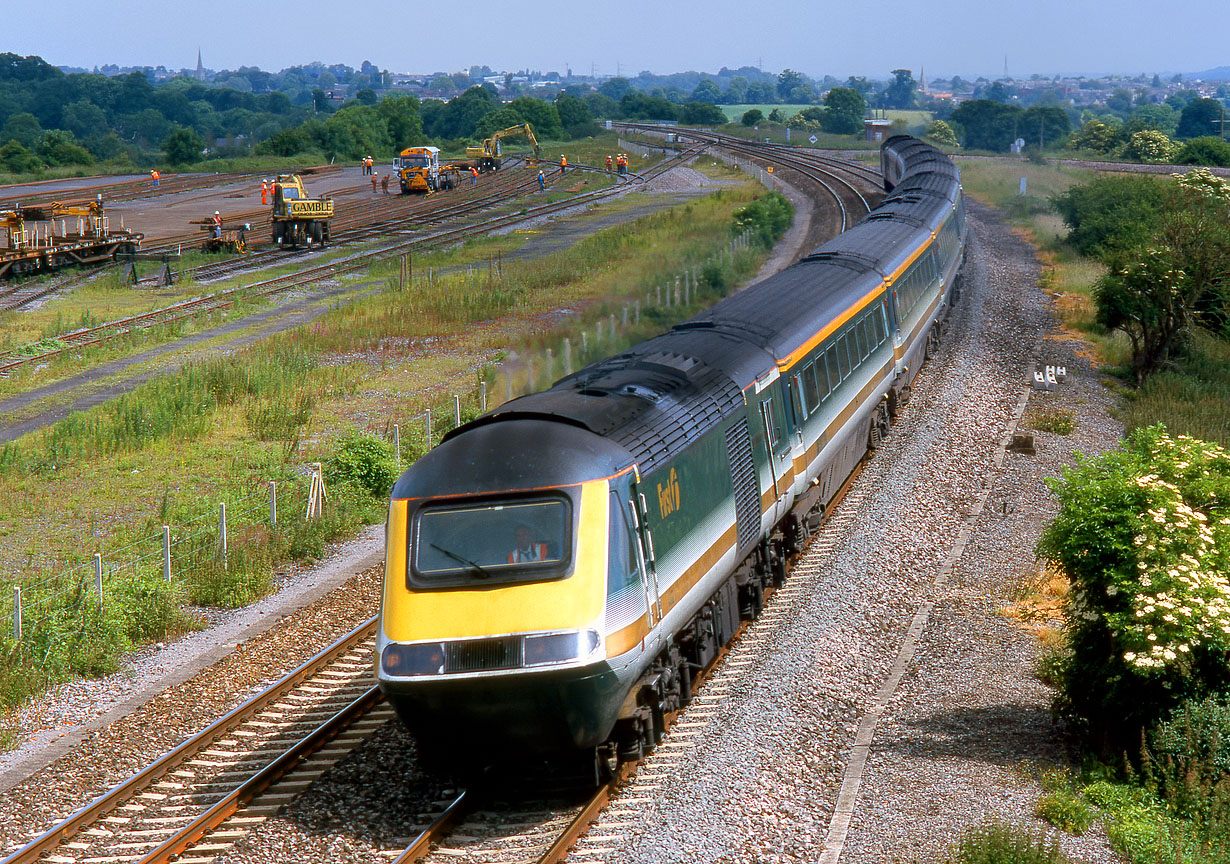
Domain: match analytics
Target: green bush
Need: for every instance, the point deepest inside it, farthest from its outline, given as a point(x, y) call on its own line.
point(365, 461)
point(1190, 760)
point(153, 607)
point(1005, 844)
point(1111, 214)
point(767, 218)
point(1066, 810)
point(1205, 150)
point(1141, 535)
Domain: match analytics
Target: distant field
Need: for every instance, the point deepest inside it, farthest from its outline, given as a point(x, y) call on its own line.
point(913, 118)
point(736, 112)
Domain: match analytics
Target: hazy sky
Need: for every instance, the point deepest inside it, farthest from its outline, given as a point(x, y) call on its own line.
point(966, 37)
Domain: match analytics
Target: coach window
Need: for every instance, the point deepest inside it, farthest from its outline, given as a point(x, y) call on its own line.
point(830, 362)
point(811, 389)
point(843, 355)
point(864, 345)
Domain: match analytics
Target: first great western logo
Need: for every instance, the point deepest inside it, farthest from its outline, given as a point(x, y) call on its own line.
point(668, 495)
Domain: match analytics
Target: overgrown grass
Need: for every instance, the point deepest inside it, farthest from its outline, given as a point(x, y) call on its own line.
point(1005, 844)
point(1192, 398)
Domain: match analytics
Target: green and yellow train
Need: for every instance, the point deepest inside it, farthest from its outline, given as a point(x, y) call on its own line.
point(558, 568)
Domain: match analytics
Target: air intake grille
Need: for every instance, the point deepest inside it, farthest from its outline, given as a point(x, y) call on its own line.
point(482, 655)
point(743, 476)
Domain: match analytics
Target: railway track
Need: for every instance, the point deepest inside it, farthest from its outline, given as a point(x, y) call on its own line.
point(827, 172)
point(11, 360)
point(233, 774)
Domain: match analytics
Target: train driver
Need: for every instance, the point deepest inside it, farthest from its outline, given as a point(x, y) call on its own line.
point(526, 549)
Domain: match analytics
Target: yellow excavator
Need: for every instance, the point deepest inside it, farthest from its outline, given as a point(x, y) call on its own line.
point(489, 153)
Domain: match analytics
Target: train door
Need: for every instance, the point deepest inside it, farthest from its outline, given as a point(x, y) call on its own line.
point(639, 512)
point(778, 442)
point(795, 417)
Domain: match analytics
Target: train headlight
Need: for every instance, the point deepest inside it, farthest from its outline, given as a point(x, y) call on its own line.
point(560, 647)
point(422, 659)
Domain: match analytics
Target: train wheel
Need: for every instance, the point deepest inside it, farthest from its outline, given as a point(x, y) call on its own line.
point(933, 341)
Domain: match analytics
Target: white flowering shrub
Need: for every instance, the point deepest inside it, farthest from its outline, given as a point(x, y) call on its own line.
point(1144, 536)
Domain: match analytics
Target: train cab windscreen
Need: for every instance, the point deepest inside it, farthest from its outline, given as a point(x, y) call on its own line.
point(496, 542)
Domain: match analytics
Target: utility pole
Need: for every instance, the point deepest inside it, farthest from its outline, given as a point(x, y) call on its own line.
point(1222, 123)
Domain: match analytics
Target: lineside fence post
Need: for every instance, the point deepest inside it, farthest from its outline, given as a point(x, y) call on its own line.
point(98, 586)
point(17, 612)
point(456, 410)
point(166, 552)
point(222, 532)
point(273, 504)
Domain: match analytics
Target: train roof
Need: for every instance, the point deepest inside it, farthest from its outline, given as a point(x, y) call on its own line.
point(655, 397)
point(652, 399)
point(525, 453)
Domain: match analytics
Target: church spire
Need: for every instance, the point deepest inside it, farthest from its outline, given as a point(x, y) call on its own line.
point(200, 67)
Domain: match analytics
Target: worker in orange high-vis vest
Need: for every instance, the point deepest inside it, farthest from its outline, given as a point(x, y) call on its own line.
point(264, 191)
point(217, 225)
point(473, 175)
point(155, 176)
point(608, 164)
point(563, 163)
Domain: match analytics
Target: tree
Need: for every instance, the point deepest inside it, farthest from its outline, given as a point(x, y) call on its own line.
point(844, 111)
point(574, 114)
point(366, 96)
point(602, 105)
point(703, 114)
point(900, 91)
point(1112, 214)
point(998, 92)
point(17, 159)
point(1149, 145)
point(1119, 101)
point(401, 116)
point(777, 116)
point(736, 92)
point(615, 88)
point(941, 133)
point(1154, 293)
point(183, 146)
point(787, 81)
point(1199, 119)
point(1045, 125)
point(988, 125)
point(761, 92)
point(707, 91)
point(752, 117)
point(860, 84)
point(542, 116)
point(1206, 150)
point(1161, 118)
point(23, 128)
point(1097, 136)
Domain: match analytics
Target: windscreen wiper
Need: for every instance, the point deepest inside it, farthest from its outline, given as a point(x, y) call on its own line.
point(486, 574)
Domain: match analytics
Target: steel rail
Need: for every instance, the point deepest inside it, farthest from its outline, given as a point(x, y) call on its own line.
point(69, 827)
point(438, 829)
point(785, 156)
point(250, 789)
